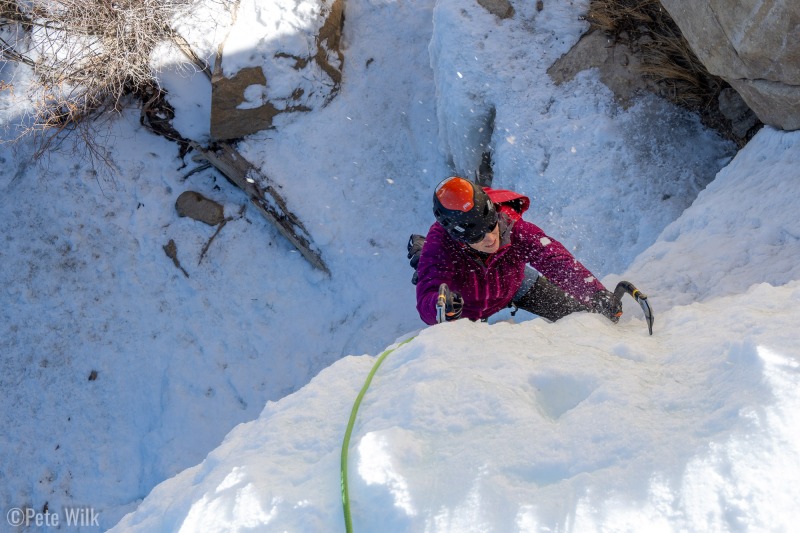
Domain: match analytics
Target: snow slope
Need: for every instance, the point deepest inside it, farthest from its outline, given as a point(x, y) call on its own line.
point(574, 426)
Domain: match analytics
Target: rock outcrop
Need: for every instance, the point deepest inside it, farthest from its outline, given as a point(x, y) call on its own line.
point(754, 45)
point(283, 75)
point(617, 64)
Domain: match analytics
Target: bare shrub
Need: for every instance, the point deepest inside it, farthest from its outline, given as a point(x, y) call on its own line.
point(618, 16)
point(88, 56)
point(666, 56)
point(667, 60)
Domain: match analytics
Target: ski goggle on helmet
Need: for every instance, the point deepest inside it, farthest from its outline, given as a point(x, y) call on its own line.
point(464, 210)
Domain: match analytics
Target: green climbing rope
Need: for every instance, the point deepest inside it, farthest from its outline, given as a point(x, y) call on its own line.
point(348, 521)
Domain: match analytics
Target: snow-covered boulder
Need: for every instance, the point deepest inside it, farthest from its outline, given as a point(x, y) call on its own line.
point(296, 65)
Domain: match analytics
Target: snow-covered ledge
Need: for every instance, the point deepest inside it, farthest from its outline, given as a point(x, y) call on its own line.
point(295, 65)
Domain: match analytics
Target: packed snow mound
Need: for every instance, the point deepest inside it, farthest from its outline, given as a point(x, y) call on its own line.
point(742, 229)
point(579, 425)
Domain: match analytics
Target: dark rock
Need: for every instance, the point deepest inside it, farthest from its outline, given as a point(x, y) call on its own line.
point(734, 108)
point(227, 120)
point(499, 8)
point(196, 206)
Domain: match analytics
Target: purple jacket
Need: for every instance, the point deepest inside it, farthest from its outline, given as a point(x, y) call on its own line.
point(489, 287)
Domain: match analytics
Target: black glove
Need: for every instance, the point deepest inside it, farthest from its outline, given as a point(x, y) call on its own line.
point(454, 306)
point(453, 303)
point(608, 305)
point(415, 244)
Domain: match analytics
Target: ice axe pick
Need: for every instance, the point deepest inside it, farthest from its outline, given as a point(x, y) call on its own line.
point(641, 299)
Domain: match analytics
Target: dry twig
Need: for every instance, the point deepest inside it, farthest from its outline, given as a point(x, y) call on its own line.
point(89, 57)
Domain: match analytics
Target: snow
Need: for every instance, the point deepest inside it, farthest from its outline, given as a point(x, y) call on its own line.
point(740, 225)
point(221, 399)
point(574, 426)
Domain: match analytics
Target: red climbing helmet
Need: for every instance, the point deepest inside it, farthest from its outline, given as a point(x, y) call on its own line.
point(463, 209)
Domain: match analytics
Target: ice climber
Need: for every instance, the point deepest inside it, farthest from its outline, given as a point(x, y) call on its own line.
point(480, 247)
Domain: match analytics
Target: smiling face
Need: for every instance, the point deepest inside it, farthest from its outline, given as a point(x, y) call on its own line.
point(463, 209)
point(490, 242)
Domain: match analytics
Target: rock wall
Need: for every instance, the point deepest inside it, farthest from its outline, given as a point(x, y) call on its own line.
point(754, 45)
point(296, 68)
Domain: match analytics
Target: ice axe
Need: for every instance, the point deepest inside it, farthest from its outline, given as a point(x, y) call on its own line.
point(441, 303)
point(640, 297)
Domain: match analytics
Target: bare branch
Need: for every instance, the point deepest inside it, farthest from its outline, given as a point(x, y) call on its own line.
point(88, 56)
